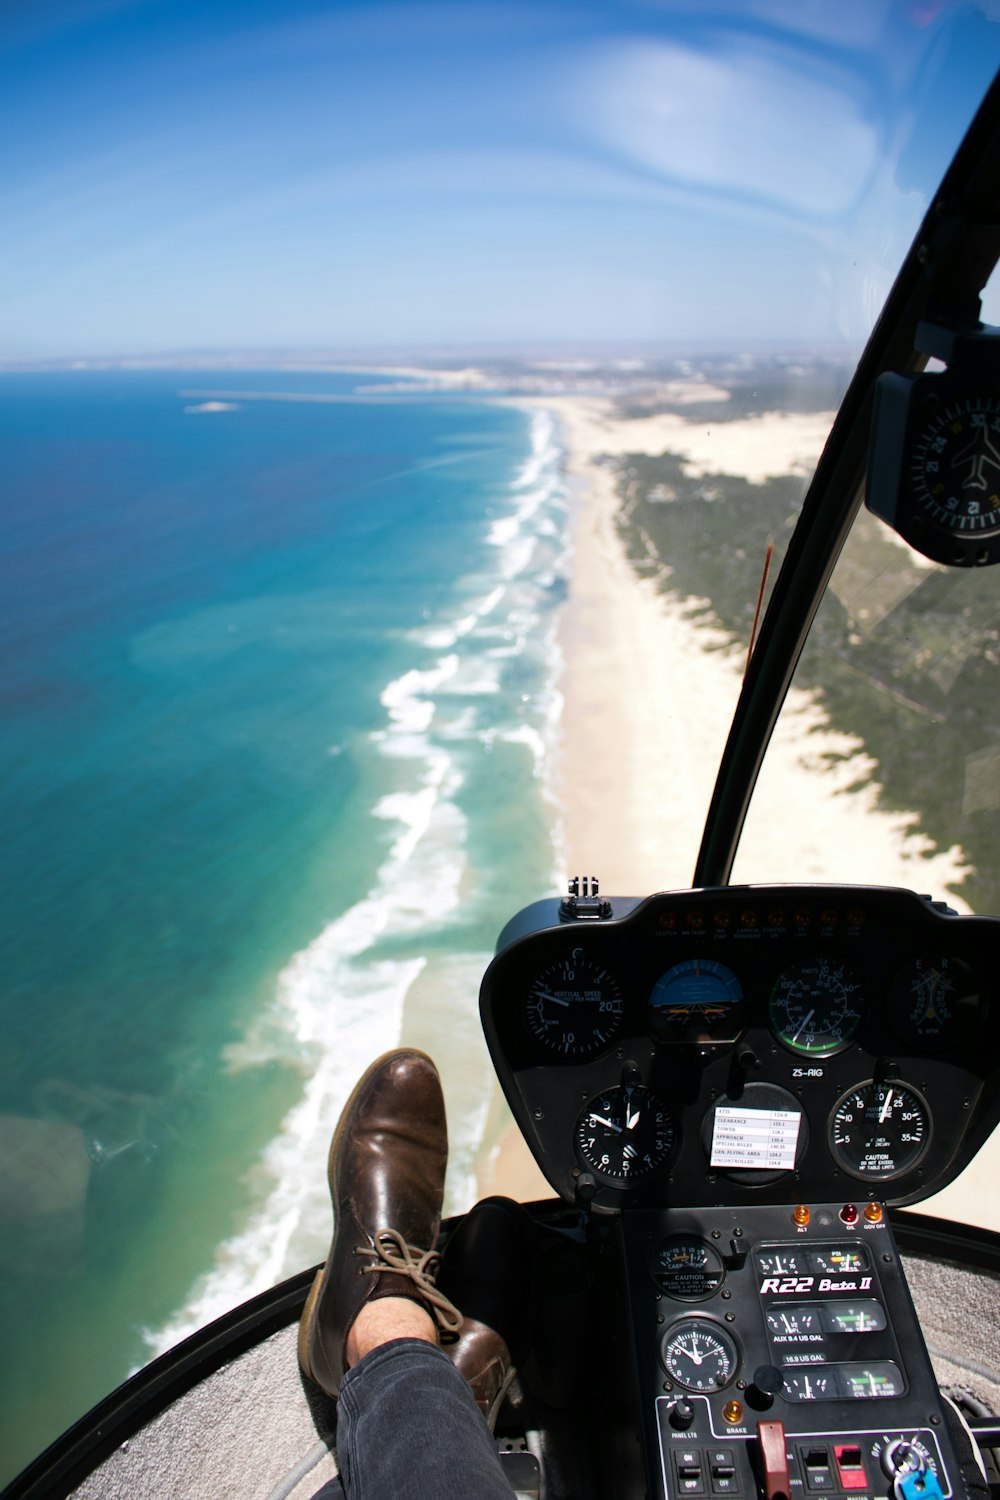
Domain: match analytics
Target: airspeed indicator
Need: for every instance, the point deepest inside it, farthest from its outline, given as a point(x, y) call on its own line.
point(816, 1006)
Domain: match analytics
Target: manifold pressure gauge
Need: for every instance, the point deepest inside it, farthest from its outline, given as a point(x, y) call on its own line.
point(934, 473)
point(880, 1130)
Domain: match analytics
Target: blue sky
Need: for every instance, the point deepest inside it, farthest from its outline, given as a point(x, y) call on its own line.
point(239, 175)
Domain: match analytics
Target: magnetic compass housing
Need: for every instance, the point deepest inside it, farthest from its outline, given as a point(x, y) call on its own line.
point(934, 471)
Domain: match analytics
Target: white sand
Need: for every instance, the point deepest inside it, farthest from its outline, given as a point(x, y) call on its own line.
point(755, 447)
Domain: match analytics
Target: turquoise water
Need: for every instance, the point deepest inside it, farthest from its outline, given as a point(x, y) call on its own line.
point(278, 685)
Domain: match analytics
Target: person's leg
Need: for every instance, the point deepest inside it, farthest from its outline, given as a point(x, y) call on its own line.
point(386, 1173)
point(408, 1420)
point(408, 1428)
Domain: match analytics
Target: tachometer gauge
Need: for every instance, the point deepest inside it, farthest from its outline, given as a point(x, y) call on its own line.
point(626, 1133)
point(574, 1006)
point(700, 1355)
point(934, 1002)
point(686, 1267)
point(880, 1130)
point(816, 1006)
point(696, 997)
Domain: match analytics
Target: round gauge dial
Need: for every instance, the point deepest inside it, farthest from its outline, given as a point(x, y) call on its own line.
point(955, 465)
point(699, 1355)
point(696, 997)
point(626, 1133)
point(934, 1002)
point(686, 1268)
point(574, 1006)
point(816, 1006)
point(880, 1130)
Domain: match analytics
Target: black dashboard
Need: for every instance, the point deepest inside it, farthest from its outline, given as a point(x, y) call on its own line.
point(747, 1044)
point(734, 1086)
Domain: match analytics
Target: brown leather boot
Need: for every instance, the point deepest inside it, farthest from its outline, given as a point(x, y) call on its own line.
point(386, 1174)
point(490, 1269)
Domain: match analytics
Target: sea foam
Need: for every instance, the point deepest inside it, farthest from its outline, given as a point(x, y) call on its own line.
point(485, 671)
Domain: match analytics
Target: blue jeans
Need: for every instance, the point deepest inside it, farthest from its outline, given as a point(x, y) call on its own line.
point(408, 1429)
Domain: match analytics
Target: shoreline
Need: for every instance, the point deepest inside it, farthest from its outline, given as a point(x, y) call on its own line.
point(648, 697)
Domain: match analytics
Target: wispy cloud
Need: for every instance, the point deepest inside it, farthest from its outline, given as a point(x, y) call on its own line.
point(733, 120)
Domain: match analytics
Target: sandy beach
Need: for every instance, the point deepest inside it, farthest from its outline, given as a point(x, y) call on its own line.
point(648, 699)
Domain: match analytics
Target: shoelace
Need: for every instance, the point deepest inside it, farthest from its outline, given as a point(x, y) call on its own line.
point(390, 1252)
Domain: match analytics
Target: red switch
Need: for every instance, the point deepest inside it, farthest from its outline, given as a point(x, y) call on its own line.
point(774, 1459)
point(850, 1466)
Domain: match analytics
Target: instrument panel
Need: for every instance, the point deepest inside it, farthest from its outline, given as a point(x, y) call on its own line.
point(754, 1043)
point(776, 1354)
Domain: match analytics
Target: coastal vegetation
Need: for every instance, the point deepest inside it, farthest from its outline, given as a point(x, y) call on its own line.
point(901, 655)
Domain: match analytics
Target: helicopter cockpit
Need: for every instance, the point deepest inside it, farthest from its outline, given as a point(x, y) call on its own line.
point(742, 1094)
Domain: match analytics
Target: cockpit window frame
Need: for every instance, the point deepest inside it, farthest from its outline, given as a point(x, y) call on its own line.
point(949, 263)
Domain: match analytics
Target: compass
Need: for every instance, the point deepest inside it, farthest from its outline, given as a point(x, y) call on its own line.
point(934, 474)
point(955, 464)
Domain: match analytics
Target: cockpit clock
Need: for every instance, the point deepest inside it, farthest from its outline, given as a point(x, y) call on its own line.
point(934, 473)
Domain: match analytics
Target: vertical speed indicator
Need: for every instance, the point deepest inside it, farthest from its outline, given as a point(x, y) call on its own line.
point(574, 1006)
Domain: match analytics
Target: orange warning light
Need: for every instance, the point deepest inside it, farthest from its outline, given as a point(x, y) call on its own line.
point(801, 1215)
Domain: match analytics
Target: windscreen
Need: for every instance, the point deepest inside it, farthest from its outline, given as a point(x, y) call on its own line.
point(892, 721)
point(399, 403)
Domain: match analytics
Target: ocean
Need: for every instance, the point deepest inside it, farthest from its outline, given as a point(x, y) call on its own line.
point(280, 687)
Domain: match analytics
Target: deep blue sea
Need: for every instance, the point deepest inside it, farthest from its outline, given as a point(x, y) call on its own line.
point(279, 679)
